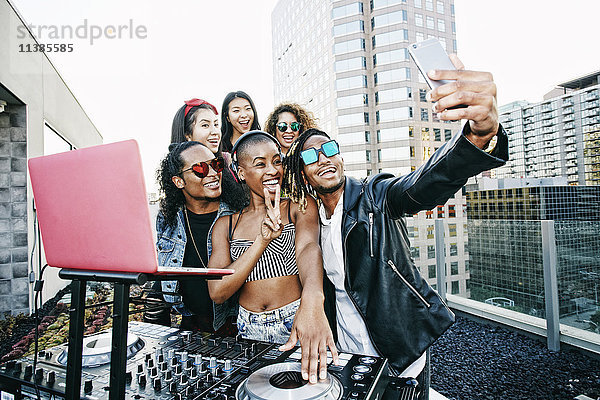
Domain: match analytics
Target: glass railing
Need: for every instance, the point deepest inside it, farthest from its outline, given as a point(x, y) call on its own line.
point(542, 273)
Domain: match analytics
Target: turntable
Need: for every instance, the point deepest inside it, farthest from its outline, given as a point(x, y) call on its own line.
point(284, 381)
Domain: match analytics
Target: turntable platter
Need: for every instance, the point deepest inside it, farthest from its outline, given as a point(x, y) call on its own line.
point(284, 381)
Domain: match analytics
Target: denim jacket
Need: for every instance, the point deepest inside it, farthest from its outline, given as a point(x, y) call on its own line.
point(170, 246)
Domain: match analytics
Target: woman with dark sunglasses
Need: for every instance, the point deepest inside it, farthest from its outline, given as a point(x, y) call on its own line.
point(190, 180)
point(273, 248)
point(287, 122)
point(238, 116)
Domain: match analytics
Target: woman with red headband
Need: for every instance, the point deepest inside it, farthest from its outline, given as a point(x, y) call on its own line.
point(197, 120)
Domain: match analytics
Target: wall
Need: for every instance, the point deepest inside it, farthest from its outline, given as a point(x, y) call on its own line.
point(36, 94)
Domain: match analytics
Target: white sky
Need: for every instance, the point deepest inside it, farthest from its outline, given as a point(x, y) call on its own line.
point(131, 88)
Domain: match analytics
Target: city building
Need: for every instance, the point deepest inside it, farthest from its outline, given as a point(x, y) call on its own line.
point(505, 244)
point(347, 62)
point(38, 115)
point(559, 136)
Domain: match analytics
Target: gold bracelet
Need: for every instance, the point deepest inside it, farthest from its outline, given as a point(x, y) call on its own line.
point(491, 145)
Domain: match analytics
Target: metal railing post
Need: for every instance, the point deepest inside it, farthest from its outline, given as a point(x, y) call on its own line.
point(550, 285)
point(440, 258)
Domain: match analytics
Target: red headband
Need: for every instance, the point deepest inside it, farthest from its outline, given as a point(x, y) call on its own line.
point(195, 103)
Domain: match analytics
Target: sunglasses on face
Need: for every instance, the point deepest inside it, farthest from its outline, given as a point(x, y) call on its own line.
point(201, 169)
point(294, 126)
point(329, 149)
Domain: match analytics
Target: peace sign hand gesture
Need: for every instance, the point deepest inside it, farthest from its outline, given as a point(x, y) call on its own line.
point(271, 225)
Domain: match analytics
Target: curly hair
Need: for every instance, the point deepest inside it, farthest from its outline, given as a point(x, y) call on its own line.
point(294, 183)
point(172, 198)
point(305, 117)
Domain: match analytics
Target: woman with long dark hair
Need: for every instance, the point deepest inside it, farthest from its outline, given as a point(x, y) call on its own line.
point(238, 116)
point(197, 120)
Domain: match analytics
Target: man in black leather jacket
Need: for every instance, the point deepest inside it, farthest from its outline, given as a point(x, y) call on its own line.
point(375, 298)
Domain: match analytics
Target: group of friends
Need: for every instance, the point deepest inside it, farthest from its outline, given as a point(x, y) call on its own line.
point(320, 259)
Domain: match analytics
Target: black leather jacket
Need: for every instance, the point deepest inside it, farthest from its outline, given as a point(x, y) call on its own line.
point(403, 314)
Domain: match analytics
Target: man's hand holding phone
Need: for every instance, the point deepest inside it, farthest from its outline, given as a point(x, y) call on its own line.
point(474, 89)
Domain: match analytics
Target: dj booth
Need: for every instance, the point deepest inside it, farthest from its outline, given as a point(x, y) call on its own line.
point(146, 361)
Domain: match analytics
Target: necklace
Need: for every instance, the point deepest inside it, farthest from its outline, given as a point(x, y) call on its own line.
point(187, 220)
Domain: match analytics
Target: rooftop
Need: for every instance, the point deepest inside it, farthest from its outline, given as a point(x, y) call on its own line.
point(479, 361)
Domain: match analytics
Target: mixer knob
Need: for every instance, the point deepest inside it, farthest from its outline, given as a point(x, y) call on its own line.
point(17, 366)
point(88, 386)
point(247, 352)
point(148, 356)
point(141, 379)
point(163, 366)
point(189, 363)
point(171, 353)
point(201, 368)
point(197, 359)
point(173, 387)
point(160, 358)
point(238, 347)
point(150, 363)
point(193, 374)
point(168, 376)
point(186, 335)
point(128, 377)
point(51, 378)
point(156, 384)
point(183, 380)
point(184, 356)
point(28, 371)
point(189, 391)
point(48, 355)
point(178, 369)
point(212, 363)
point(227, 367)
point(212, 395)
point(158, 352)
point(153, 372)
point(213, 342)
point(39, 374)
point(140, 368)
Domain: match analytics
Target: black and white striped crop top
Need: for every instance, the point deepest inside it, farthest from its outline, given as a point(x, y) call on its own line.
point(278, 259)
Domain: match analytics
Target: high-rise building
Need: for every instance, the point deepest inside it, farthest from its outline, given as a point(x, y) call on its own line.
point(505, 244)
point(559, 136)
point(347, 62)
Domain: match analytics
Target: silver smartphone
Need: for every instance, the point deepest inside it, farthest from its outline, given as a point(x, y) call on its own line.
point(429, 54)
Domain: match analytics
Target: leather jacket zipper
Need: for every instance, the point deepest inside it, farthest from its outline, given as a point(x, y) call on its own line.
point(411, 287)
point(371, 234)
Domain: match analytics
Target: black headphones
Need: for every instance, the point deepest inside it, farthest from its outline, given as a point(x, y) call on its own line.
point(234, 158)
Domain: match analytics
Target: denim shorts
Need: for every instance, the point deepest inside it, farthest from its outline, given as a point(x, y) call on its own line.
point(270, 326)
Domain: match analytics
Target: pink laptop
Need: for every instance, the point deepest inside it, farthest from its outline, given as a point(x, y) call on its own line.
point(93, 211)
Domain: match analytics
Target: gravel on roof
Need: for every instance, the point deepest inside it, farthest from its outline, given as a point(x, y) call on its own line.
point(479, 361)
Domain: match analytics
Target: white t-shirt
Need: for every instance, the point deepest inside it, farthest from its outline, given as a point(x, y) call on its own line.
point(353, 336)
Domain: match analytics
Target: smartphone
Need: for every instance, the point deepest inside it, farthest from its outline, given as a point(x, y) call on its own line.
point(428, 55)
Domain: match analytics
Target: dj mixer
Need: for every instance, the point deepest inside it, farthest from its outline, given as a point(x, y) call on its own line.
point(165, 363)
